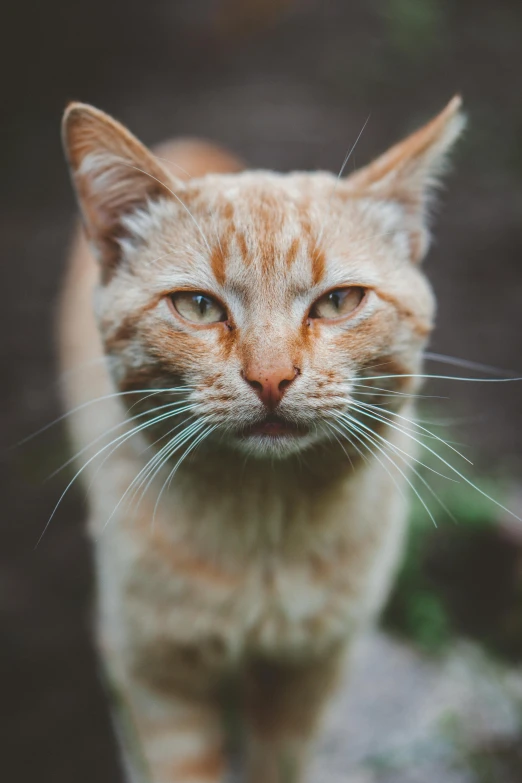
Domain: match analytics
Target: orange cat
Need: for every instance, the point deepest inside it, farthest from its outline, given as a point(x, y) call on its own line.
point(244, 428)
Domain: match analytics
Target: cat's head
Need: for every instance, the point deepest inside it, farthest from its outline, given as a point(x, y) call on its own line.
point(270, 300)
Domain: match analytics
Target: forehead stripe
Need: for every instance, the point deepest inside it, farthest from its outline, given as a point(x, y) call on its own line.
point(292, 252)
point(218, 262)
point(318, 261)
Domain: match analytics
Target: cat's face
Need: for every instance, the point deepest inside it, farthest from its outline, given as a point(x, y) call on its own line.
point(267, 298)
point(269, 308)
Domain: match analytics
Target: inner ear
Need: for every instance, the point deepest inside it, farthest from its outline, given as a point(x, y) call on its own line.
point(408, 173)
point(114, 175)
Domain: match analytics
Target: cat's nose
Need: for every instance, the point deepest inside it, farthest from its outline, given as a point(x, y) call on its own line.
point(270, 384)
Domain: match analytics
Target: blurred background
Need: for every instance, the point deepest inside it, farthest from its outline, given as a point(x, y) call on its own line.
point(437, 691)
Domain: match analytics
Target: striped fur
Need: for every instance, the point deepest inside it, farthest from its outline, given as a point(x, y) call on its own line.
point(264, 557)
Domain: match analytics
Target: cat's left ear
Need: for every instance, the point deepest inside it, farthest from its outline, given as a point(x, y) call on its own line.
point(114, 175)
point(408, 173)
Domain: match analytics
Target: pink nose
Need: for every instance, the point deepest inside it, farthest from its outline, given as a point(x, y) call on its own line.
point(271, 383)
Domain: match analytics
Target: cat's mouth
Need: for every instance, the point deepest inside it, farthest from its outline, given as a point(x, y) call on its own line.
point(276, 427)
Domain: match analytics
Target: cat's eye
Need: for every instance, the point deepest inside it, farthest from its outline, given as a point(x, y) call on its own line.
point(338, 303)
point(198, 308)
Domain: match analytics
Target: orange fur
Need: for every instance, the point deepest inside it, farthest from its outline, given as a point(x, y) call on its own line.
point(256, 557)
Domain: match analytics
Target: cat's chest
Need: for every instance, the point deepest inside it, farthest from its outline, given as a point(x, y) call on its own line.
point(288, 582)
point(299, 606)
point(266, 605)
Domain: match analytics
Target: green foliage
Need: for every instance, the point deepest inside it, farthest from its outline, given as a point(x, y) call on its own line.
point(434, 592)
point(416, 27)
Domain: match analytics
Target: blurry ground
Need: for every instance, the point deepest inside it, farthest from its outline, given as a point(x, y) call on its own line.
point(457, 720)
point(287, 87)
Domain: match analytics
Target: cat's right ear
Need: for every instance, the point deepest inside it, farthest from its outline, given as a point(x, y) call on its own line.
point(113, 174)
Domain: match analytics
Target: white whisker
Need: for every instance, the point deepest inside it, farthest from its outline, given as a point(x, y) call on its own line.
point(123, 438)
point(174, 413)
point(340, 174)
point(175, 195)
point(460, 475)
point(427, 376)
point(354, 424)
point(352, 150)
point(467, 364)
point(410, 457)
point(120, 424)
point(393, 392)
point(380, 415)
point(407, 461)
point(169, 449)
point(84, 405)
point(168, 480)
point(156, 464)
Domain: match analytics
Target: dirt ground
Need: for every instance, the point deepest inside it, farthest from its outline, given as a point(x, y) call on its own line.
point(288, 86)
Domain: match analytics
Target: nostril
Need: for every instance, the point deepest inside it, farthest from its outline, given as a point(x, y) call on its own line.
point(256, 385)
point(285, 382)
point(272, 384)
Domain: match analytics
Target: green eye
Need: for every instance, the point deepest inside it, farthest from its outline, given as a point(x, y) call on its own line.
point(338, 303)
point(198, 308)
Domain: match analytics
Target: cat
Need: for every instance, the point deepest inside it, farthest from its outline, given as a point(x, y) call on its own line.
point(245, 428)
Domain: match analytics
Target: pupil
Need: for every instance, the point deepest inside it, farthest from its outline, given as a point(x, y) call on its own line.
point(202, 303)
point(335, 298)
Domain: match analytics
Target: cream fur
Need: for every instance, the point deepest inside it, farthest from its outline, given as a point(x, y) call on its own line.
point(257, 554)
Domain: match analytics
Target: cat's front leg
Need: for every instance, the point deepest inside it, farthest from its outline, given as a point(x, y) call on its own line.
point(282, 707)
point(168, 736)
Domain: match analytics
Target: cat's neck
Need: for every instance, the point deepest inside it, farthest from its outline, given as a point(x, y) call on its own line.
point(258, 504)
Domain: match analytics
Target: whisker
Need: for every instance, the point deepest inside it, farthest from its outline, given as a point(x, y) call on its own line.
point(443, 378)
point(123, 437)
point(467, 364)
point(175, 195)
point(464, 478)
point(162, 437)
point(354, 425)
point(332, 427)
point(191, 176)
point(155, 392)
point(155, 465)
point(86, 404)
point(419, 475)
point(171, 415)
point(429, 488)
point(169, 449)
point(438, 422)
point(367, 381)
point(410, 456)
point(352, 150)
point(378, 411)
point(345, 434)
point(120, 424)
point(165, 255)
point(393, 392)
point(365, 441)
point(340, 174)
point(176, 165)
point(168, 480)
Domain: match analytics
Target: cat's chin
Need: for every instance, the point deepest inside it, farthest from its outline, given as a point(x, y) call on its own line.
point(275, 427)
point(274, 439)
point(264, 445)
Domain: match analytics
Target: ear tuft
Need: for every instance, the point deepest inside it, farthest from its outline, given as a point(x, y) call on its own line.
point(409, 172)
point(113, 174)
